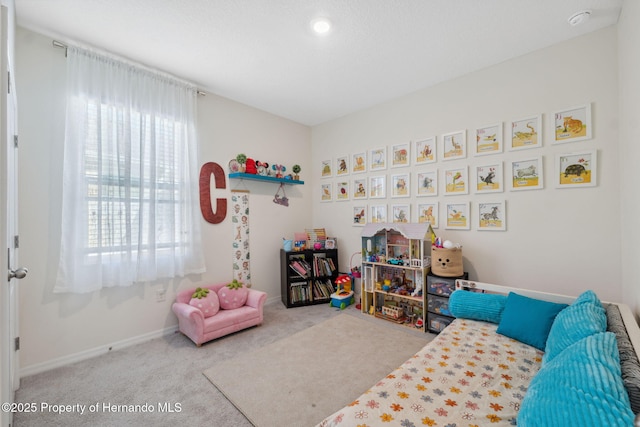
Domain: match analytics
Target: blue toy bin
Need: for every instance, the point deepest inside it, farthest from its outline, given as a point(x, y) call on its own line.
point(342, 300)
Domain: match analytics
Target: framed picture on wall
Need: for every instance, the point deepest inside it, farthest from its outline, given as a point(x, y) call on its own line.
point(326, 192)
point(342, 165)
point(342, 191)
point(400, 155)
point(428, 212)
point(573, 124)
point(488, 140)
point(491, 216)
point(454, 145)
point(401, 213)
point(526, 133)
point(326, 169)
point(377, 159)
point(377, 187)
point(360, 188)
point(456, 181)
point(427, 183)
point(359, 215)
point(359, 162)
point(378, 214)
point(488, 178)
point(527, 174)
point(424, 151)
point(576, 169)
point(458, 216)
point(400, 185)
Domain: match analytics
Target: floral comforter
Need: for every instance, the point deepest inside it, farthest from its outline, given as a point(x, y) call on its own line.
point(467, 376)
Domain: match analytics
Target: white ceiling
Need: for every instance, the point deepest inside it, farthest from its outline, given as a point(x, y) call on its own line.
point(262, 52)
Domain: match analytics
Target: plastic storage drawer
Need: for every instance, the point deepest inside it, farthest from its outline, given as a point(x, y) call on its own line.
point(437, 323)
point(438, 305)
point(440, 285)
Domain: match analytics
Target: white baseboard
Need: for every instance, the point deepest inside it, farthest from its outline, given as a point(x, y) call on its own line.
point(97, 351)
point(273, 300)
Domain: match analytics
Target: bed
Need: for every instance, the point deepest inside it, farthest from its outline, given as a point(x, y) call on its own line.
point(574, 363)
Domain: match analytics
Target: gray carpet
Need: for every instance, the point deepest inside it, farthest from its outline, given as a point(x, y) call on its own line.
point(166, 370)
point(301, 379)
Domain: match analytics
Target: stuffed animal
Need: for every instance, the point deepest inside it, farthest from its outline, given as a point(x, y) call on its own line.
point(263, 168)
point(279, 170)
point(250, 167)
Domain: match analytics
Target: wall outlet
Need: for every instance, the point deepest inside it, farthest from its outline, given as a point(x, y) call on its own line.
point(161, 295)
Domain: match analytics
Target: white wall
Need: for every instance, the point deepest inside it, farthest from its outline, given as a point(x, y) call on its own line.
point(59, 327)
point(629, 86)
point(557, 240)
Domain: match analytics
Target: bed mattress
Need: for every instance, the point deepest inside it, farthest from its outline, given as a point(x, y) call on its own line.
point(467, 375)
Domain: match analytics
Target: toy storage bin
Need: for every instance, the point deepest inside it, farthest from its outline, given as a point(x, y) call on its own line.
point(446, 262)
point(437, 323)
point(438, 305)
point(438, 286)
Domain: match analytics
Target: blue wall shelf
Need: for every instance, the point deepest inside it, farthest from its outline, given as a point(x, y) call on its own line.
point(250, 176)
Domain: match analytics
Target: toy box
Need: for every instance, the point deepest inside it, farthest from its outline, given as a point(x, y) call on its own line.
point(342, 299)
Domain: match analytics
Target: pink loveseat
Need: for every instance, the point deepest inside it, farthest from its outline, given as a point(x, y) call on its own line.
point(199, 329)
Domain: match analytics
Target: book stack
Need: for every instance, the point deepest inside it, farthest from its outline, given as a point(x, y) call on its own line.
point(300, 266)
point(299, 292)
point(323, 266)
point(322, 289)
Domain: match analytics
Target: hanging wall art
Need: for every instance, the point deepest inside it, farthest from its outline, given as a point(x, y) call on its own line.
point(240, 223)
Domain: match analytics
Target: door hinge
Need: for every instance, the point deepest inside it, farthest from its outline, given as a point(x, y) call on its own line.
point(8, 81)
point(16, 242)
point(15, 141)
point(17, 343)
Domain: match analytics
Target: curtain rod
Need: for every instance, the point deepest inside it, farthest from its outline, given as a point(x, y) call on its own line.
point(61, 45)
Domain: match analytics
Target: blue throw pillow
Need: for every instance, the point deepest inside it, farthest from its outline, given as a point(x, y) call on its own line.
point(582, 386)
point(476, 306)
point(528, 320)
point(584, 317)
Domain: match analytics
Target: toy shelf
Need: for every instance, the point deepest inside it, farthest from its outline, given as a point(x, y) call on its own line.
point(250, 176)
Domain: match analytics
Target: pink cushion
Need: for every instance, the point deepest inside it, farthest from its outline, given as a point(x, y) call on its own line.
point(232, 298)
point(208, 305)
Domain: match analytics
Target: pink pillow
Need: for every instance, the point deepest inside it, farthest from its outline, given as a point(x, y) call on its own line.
point(208, 305)
point(232, 298)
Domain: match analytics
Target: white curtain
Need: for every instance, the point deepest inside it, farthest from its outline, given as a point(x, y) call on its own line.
point(130, 189)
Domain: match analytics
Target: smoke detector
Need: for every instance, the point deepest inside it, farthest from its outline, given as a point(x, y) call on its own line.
point(579, 17)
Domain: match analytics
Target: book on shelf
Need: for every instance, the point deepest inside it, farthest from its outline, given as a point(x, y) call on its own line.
point(323, 266)
point(300, 267)
point(299, 292)
point(323, 289)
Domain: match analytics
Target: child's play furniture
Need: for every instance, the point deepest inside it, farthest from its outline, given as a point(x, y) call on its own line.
point(306, 277)
point(343, 296)
point(395, 261)
point(531, 358)
point(200, 329)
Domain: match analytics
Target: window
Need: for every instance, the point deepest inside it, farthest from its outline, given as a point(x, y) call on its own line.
point(130, 176)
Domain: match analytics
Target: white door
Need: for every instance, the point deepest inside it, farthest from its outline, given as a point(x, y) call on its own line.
point(9, 270)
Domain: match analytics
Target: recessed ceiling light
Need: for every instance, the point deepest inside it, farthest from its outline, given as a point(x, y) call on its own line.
point(321, 25)
point(579, 17)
